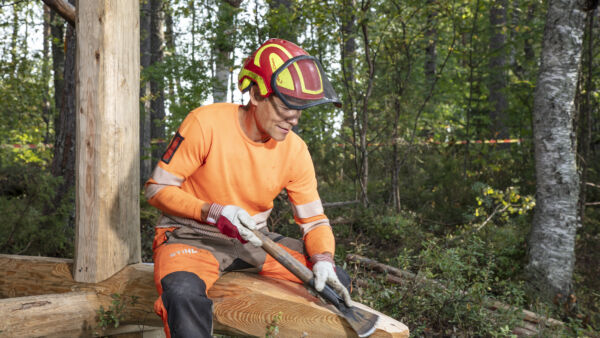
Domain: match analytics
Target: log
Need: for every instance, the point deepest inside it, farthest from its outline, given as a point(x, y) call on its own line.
point(244, 304)
point(70, 314)
point(55, 315)
point(107, 217)
point(63, 8)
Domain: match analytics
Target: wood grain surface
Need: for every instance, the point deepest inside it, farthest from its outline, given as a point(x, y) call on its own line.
point(107, 237)
point(244, 304)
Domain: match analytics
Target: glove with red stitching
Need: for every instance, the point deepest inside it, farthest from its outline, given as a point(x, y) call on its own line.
point(324, 271)
point(234, 222)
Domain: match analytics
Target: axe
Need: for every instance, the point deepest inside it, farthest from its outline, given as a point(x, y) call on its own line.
point(363, 322)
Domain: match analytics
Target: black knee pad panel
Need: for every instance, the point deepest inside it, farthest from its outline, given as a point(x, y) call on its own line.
point(189, 311)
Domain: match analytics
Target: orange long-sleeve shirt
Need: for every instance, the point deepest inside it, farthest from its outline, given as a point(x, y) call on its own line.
point(211, 160)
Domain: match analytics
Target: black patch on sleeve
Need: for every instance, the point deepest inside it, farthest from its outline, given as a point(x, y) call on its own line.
point(173, 146)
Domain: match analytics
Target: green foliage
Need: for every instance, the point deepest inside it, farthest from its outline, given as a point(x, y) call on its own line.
point(465, 278)
point(273, 327)
point(148, 219)
point(112, 317)
point(33, 224)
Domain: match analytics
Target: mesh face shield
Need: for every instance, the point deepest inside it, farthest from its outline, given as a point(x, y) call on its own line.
point(300, 83)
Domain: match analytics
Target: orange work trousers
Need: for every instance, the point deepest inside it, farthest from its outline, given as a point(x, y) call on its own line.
point(208, 254)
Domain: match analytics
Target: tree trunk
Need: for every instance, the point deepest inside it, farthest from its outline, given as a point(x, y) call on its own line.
point(431, 37)
point(145, 92)
point(364, 123)
point(585, 114)
point(497, 80)
point(46, 108)
point(157, 105)
point(57, 26)
point(14, 38)
point(552, 237)
point(223, 48)
point(63, 162)
point(348, 33)
point(173, 81)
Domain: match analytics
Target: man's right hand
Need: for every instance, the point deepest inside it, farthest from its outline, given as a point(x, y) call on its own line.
point(234, 222)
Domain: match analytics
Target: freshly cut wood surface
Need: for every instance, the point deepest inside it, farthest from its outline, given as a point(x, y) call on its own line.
point(244, 304)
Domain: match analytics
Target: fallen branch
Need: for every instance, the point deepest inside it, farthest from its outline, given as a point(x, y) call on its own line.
point(339, 204)
point(63, 8)
point(592, 185)
point(398, 276)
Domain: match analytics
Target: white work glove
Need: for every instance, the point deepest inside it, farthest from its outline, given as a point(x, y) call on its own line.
point(234, 222)
point(324, 271)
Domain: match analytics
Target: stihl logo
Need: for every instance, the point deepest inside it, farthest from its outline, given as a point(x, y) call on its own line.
point(184, 252)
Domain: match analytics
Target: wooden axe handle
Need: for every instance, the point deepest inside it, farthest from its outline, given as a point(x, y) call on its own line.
point(285, 258)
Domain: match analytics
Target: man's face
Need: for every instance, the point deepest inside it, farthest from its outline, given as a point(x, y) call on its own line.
point(275, 119)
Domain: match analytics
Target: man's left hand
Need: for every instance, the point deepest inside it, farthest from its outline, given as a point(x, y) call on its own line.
point(324, 271)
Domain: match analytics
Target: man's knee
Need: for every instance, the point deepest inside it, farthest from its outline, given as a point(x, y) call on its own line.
point(189, 310)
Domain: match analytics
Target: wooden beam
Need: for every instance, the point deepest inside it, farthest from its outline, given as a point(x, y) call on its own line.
point(64, 9)
point(66, 315)
point(244, 304)
point(107, 148)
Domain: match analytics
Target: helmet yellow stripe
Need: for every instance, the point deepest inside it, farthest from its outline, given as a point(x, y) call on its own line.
point(303, 86)
point(257, 78)
point(262, 49)
point(289, 55)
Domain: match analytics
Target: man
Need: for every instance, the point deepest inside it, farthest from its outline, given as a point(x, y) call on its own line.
point(218, 179)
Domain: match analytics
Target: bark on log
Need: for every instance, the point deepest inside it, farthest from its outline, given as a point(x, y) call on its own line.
point(244, 304)
point(64, 9)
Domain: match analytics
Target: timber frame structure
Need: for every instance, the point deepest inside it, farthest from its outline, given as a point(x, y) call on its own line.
point(54, 297)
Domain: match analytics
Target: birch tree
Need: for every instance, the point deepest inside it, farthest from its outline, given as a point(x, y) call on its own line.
point(552, 237)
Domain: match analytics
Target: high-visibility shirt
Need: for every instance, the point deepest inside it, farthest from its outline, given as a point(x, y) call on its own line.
point(211, 160)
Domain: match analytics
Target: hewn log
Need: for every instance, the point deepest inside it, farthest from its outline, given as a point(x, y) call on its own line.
point(56, 315)
point(107, 149)
point(244, 304)
point(63, 8)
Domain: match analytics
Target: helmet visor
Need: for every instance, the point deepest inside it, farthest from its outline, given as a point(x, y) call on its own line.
point(301, 83)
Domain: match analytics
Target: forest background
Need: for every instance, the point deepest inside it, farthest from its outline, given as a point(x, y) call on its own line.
point(428, 88)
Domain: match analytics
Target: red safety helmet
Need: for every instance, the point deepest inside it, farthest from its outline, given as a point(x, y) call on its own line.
point(281, 67)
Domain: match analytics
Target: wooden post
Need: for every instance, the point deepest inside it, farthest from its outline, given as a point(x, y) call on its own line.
point(107, 150)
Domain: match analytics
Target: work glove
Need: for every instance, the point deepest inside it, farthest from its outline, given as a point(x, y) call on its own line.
point(324, 271)
point(234, 222)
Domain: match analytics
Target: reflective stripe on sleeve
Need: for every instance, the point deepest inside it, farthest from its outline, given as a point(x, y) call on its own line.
point(308, 210)
point(307, 227)
point(159, 180)
point(261, 218)
point(164, 177)
point(152, 189)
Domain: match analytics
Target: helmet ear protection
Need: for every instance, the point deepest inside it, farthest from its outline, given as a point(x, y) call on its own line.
point(281, 67)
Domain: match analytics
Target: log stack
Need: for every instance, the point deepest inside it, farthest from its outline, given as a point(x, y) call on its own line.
point(42, 299)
